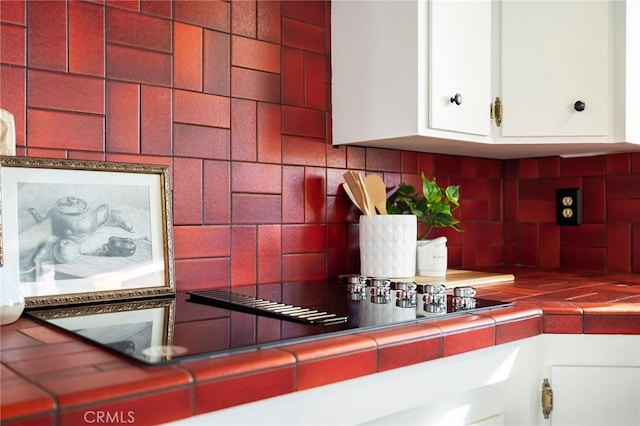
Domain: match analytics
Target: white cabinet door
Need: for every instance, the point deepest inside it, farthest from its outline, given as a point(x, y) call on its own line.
point(595, 395)
point(375, 69)
point(393, 62)
point(460, 65)
point(554, 54)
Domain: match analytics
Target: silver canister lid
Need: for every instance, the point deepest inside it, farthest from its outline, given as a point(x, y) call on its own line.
point(464, 292)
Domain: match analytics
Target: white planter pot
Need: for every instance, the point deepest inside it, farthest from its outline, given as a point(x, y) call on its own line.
point(431, 257)
point(388, 245)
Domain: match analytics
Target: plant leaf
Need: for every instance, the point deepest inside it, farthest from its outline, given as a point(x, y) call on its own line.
point(453, 194)
point(432, 208)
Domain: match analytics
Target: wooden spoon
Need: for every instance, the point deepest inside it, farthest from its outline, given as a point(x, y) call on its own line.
point(359, 192)
point(378, 190)
point(347, 189)
point(368, 202)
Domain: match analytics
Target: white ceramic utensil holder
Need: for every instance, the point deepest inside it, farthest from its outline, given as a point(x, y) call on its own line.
point(388, 246)
point(432, 257)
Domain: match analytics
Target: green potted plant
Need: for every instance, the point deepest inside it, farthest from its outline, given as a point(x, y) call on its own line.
point(433, 208)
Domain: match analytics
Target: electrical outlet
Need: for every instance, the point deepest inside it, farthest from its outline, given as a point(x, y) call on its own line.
point(568, 206)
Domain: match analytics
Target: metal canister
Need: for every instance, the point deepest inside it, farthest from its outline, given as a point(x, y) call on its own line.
point(434, 298)
point(463, 298)
point(405, 294)
point(380, 290)
point(357, 286)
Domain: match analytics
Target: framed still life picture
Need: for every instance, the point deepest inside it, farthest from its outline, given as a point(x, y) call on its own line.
point(81, 231)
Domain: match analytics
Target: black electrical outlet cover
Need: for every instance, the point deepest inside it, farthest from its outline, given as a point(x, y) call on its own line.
point(568, 206)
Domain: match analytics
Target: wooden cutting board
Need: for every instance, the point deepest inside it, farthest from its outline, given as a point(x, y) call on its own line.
point(458, 278)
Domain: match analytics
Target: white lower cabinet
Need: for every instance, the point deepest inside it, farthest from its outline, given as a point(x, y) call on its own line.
point(595, 379)
point(596, 395)
point(590, 375)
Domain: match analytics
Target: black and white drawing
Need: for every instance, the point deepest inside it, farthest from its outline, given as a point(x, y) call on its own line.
point(76, 231)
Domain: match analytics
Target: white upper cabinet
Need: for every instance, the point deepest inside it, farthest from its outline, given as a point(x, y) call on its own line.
point(554, 68)
point(398, 64)
point(423, 75)
point(459, 76)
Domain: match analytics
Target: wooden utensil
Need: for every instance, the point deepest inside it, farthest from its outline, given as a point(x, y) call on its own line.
point(378, 191)
point(347, 189)
point(355, 183)
point(366, 196)
point(357, 194)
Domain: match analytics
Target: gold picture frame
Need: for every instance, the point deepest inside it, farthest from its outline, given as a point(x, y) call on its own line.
point(84, 231)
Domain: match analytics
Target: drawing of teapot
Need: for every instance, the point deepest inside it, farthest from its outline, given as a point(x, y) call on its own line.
point(72, 218)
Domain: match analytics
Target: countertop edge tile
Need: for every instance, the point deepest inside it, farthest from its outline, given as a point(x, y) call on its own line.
point(402, 333)
point(612, 324)
point(465, 323)
point(517, 329)
point(326, 347)
point(222, 367)
point(24, 399)
point(335, 368)
point(562, 324)
point(618, 308)
point(467, 333)
point(468, 339)
point(407, 344)
point(176, 404)
point(330, 360)
point(560, 308)
point(245, 388)
point(38, 419)
point(114, 384)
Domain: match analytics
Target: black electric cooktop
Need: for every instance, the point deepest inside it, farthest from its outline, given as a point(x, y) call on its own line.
point(218, 321)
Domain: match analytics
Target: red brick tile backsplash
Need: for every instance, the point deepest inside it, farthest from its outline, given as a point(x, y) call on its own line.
point(138, 65)
point(123, 123)
point(235, 97)
point(86, 46)
point(610, 204)
point(13, 12)
point(65, 130)
point(47, 34)
point(155, 7)
point(63, 91)
point(187, 56)
point(12, 44)
point(208, 14)
point(139, 30)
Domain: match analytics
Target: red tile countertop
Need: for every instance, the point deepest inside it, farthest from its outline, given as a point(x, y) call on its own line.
point(49, 377)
